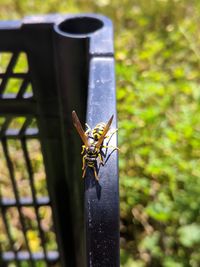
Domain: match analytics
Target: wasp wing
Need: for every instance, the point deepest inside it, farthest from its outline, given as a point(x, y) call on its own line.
point(79, 129)
point(106, 129)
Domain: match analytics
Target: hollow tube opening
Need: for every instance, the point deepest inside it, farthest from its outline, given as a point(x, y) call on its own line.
point(80, 25)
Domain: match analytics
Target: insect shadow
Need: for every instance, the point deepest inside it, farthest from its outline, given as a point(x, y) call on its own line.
point(90, 182)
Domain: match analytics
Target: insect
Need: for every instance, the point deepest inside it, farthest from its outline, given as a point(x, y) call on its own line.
point(93, 143)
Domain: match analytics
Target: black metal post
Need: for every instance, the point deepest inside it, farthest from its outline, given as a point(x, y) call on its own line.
point(71, 67)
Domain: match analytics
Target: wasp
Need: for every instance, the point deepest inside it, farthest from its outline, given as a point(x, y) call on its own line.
point(93, 143)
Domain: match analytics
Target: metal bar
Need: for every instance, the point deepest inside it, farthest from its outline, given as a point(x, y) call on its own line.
point(32, 133)
point(8, 233)
point(52, 256)
point(16, 193)
point(15, 75)
point(23, 88)
point(18, 107)
point(20, 133)
point(42, 69)
point(102, 197)
point(33, 192)
point(25, 125)
point(25, 202)
point(8, 72)
point(14, 134)
point(5, 125)
point(14, 96)
point(9, 237)
point(73, 82)
point(102, 228)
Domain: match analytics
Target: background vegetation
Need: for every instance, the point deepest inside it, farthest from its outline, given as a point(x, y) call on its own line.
point(158, 92)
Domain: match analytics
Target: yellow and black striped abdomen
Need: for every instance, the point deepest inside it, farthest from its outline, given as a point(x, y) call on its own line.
point(98, 130)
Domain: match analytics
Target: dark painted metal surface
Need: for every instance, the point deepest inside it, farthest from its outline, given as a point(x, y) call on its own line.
point(102, 197)
point(71, 67)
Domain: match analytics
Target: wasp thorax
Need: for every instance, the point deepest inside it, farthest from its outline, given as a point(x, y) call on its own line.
point(91, 150)
point(98, 130)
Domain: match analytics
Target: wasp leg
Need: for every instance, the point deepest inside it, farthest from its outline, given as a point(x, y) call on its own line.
point(101, 158)
point(88, 128)
point(109, 155)
point(83, 149)
point(111, 134)
point(102, 154)
point(109, 138)
point(84, 171)
point(84, 164)
point(84, 167)
point(114, 147)
point(95, 173)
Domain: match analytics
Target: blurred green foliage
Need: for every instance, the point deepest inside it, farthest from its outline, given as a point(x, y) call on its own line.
point(158, 93)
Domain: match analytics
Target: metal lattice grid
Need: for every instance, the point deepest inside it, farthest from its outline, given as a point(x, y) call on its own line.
point(26, 228)
point(14, 76)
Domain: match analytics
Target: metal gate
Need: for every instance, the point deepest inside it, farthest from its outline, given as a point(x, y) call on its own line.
point(49, 216)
